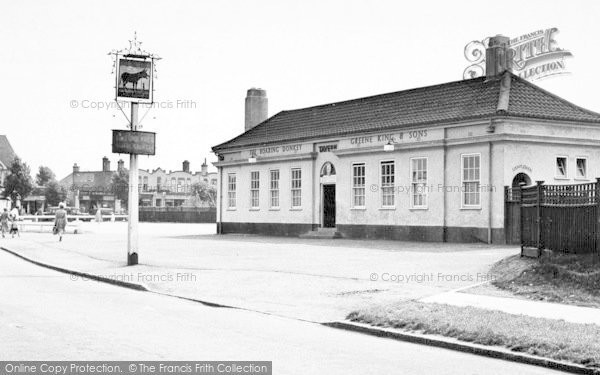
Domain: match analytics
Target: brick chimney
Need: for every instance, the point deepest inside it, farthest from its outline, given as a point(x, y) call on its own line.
point(497, 56)
point(204, 169)
point(120, 165)
point(257, 107)
point(75, 168)
point(105, 164)
point(186, 166)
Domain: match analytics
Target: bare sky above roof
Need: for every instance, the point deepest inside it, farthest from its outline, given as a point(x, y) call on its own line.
point(54, 65)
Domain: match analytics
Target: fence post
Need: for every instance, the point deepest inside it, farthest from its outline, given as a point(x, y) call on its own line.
point(506, 221)
point(521, 185)
point(538, 214)
point(597, 197)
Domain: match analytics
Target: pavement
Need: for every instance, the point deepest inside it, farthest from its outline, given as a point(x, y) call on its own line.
point(538, 309)
point(45, 315)
point(315, 280)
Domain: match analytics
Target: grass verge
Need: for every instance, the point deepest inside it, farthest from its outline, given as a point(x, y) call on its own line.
point(569, 279)
point(559, 340)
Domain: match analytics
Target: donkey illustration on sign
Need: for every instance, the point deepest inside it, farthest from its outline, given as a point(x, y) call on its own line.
point(133, 78)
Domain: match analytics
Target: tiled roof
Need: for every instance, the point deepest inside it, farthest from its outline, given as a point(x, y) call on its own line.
point(7, 154)
point(87, 180)
point(453, 101)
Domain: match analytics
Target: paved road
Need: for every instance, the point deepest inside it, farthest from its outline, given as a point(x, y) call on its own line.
point(317, 280)
point(44, 315)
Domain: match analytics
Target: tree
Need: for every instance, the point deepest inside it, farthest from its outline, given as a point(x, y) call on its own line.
point(19, 181)
point(205, 192)
point(44, 176)
point(55, 193)
point(120, 185)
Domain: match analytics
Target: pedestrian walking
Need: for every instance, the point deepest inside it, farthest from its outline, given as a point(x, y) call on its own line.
point(60, 221)
point(4, 221)
point(14, 214)
point(98, 215)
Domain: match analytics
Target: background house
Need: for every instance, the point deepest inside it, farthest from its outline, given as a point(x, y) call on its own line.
point(7, 154)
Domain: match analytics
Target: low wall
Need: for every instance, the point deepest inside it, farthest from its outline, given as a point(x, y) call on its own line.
point(178, 215)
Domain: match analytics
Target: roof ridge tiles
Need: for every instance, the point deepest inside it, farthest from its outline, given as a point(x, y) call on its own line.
point(471, 99)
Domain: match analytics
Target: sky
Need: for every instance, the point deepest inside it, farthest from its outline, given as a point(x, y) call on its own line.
point(57, 86)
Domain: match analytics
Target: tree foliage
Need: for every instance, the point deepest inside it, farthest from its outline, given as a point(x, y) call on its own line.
point(44, 176)
point(55, 193)
point(205, 192)
point(19, 181)
point(120, 185)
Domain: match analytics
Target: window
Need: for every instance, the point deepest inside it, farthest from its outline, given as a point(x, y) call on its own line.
point(296, 187)
point(274, 188)
point(145, 185)
point(561, 167)
point(358, 185)
point(418, 175)
point(471, 180)
point(180, 185)
point(158, 182)
point(254, 189)
point(231, 186)
point(581, 167)
point(387, 183)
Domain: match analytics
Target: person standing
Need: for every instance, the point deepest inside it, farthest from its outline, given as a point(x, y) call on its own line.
point(4, 221)
point(99, 215)
point(14, 214)
point(60, 221)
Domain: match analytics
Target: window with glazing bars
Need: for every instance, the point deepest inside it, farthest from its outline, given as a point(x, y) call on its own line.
point(296, 187)
point(254, 189)
point(274, 188)
point(231, 187)
point(419, 182)
point(358, 185)
point(471, 180)
point(387, 183)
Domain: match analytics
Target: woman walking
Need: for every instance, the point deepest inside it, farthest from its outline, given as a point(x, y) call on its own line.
point(4, 221)
point(60, 221)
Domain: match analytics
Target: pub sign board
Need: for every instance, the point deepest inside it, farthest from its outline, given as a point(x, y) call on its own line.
point(133, 142)
point(134, 79)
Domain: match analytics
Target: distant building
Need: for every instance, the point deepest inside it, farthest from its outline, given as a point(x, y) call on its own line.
point(7, 155)
point(88, 190)
point(159, 188)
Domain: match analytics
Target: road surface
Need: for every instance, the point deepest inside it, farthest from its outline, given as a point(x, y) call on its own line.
point(44, 315)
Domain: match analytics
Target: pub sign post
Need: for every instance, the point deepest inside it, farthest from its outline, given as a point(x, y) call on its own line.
point(134, 84)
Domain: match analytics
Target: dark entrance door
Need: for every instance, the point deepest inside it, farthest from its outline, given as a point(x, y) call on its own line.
point(329, 206)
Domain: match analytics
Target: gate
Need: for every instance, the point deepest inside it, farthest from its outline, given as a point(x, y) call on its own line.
point(562, 218)
point(512, 215)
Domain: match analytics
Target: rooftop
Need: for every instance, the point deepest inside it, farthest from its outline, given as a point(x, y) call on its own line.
point(454, 101)
point(7, 154)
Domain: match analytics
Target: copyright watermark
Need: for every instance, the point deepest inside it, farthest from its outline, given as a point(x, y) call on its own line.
point(141, 277)
point(431, 188)
point(432, 277)
point(106, 105)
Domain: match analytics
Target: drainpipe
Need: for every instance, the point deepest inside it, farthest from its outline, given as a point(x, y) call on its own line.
point(220, 198)
point(491, 194)
point(313, 156)
point(444, 181)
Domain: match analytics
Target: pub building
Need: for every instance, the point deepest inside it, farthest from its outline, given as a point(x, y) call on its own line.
point(426, 164)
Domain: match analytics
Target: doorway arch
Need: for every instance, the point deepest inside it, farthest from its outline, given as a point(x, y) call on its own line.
point(520, 178)
point(328, 200)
